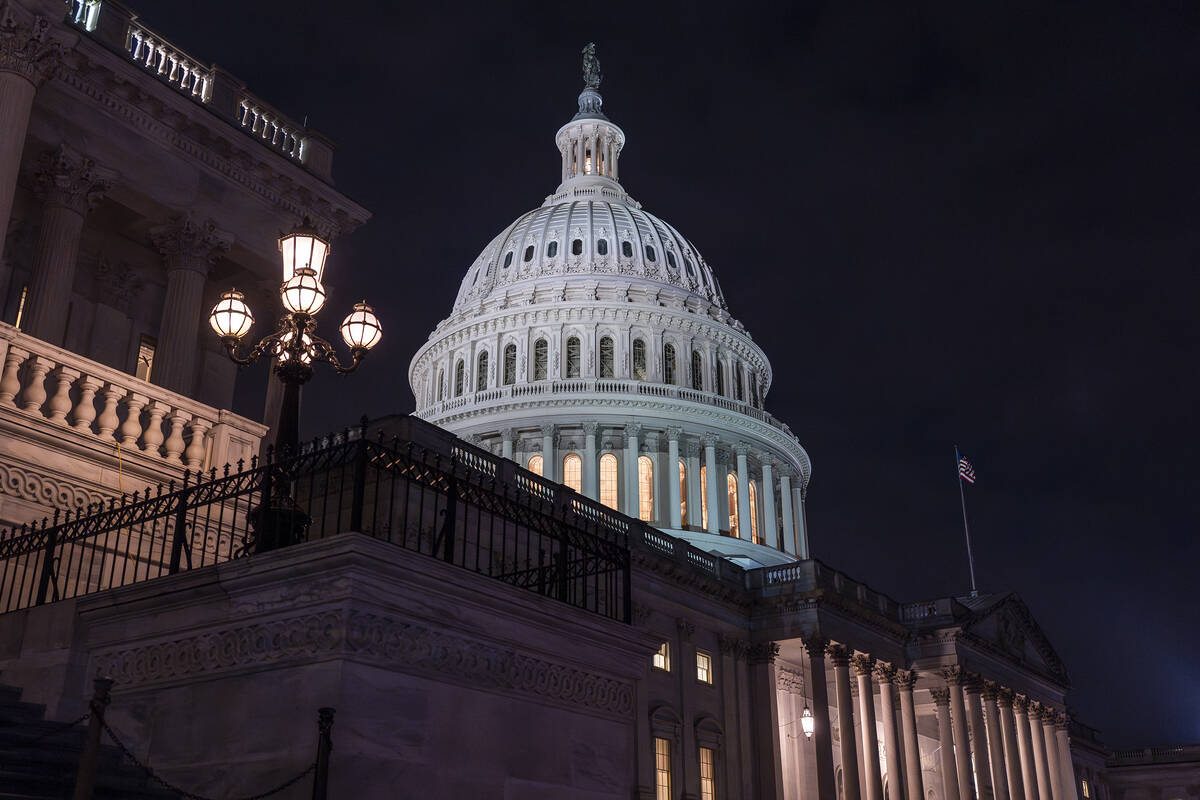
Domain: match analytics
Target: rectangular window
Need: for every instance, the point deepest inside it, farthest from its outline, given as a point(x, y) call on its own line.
point(703, 667)
point(21, 306)
point(145, 358)
point(708, 774)
point(662, 659)
point(662, 769)
point(1086, 790)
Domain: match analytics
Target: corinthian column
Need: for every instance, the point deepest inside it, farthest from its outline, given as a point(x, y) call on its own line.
point(70, 186)
point(955, 678)
point(1053, 773)
point(27, 57)
point(188, 248)
point(886, 674)
point(907, 680)
point(745, 525)
point(770, 528)
point(941, 700)
point(1065, 763)
point(788, 532)
point(849, 753)
point(994, 741)
point(1012, 752)
point(591, 485)
point(979, 742)
point(710, 483)
point(822, 730)
point(674, 496)
point(550, 467)
point(1039, 752)
point(863, 666)
point(1025, 748)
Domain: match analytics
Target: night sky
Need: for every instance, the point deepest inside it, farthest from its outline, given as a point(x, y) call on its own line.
point(955, 223)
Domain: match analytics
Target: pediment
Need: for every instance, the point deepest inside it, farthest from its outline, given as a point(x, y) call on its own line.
point(1006, 626)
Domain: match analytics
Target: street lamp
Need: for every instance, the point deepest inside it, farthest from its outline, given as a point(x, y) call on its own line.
point(294, 343)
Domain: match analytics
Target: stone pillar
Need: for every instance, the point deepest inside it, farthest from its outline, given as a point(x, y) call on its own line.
point(801, 523)
point(766, 719)
point(1038, 744)
point(995, 741)
point(549, 457)
point(188, 249)
point(1025, 748)
point(962, 747)
point(822, 729)
point(979, 743)
point(506, 443)
point(907, 680)
point(1012, 753)
point(695, 488)
point(710, 488)
point(840, 657)
point(770, 528)
point(674, 497)
point(27, 57)
point(872, 777)
point(1050, 741)
point(1066, 764)
point(886, 674)
point(591, 466)
point(69, 186)
point(941, 700)
point(788, 532)
point(632, 431)
point(745, 525)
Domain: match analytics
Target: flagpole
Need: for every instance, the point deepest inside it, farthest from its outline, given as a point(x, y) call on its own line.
point(966, 530)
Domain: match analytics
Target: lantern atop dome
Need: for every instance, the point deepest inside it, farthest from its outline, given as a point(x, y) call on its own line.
point(590, 144)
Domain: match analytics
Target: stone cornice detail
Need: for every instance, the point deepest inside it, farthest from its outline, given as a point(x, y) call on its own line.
point(906, 679)
point(44, 489)
point(863, 664)
point(26, 49)
point(67, 179)
point(187, 243)
point(732, 646)
point(763, 653)
point(789, 680)
point(941, 697)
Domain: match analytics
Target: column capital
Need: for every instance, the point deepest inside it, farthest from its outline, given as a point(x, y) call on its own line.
point(1020, 704)
point(26, 49)
point(1062, 721)
point(763, 653)
point(711, 439)
point(885, 673)
point(673, 433)
point(954, 675)
point(941, 697)
point(906, 678)
point(507, 434)
point(1004, 695)
point(768, 461)
point(633, 429)
point(187, 243)
point(693, 448)
point(838, 654)
point(863, 663)
point(66, 178)
point(686, 628)
point(990, 690)
point(732, 646)
point(741, 448)
point(972, 683)
point(591, 428)
point(816, 646)
point(547, 428)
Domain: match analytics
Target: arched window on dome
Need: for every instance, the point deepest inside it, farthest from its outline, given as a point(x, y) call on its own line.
point(460, 370)
point(669, 363)
point(577, 247)
point(731, 490)
point(671, 260)
point(608, 480)
point(704, 497)
point(481, 368)
point(602, 247)
point(627, 249)
point(508, 259)
point(573, 471)
point(510, 364)
point(720, 377)
point(573, 357)
point(650, 256)
point(645, 488)
point(697, 371)
point(535, 464)
point(541, 352)
point(639, 359)
point(691, 269)
point(754, 535)
point(529, 253)
point(552, 249)
point(441, 389)
point(738, 379)
point(606, 357)
point(682, 492)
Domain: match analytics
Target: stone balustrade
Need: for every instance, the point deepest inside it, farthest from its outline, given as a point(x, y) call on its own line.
point(265, 123)
point(50, 389)
point(157, 56)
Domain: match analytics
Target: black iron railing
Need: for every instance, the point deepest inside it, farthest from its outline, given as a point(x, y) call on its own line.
point(417, 488)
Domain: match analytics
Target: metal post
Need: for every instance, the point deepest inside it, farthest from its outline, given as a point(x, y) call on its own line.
point(180, 528)
point(450, 522)
point(47, 578)
point(85, 779)
point(360, 482)
point(287, 436)
point(324, 748)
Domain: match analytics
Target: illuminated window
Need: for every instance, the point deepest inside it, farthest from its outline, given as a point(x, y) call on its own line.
point(608, 480)
point(682, 492)
point(606, 357)
point(645, 488)
point(508, 259)
point(481, 366)
point(529, 253)
point(552, 249)
point(573, 357)
point(602, 247)
point(662, 769)
point(145, 358)
point(21, 306)
point(1087, 792)
point(627, 249)
point(708, 774)
point(510, 364)
point(639, 359)
point(754, 513)
point(720, 377)
point(662, 658)
point(441, 383)
point(703, 667)
point(668, 363)
point(459, 371)
point(737, 381)
point(704, 497)
point(573, 471)
point(697, 372)
point(577, 247)
point(535, 465)
point(731, 489)
point(540, 351)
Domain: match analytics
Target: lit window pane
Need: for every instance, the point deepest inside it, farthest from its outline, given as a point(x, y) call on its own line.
point(703, 667)
point(662, 659)
point(682, 492)
point(145, 357)
point(645, 488)
point(573, 471)
point(608, 480)
point(708, 774)
point(662, 769)
point(731, 488)
point(704, 498)
point(535, 465)
point(754, 513)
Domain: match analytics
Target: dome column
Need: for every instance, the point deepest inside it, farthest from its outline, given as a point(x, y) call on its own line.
point(591, 467)
point(770, 532)
point(745, 526)
point(672, 471)
point(789, 524)
point(506, 443)
point(710, 487)
point(549, 462)
point(632, 431)
point(801, 530)
point(694, 488)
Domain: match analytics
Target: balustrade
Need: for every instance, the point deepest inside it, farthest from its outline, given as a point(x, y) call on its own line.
point(270, 126)
point(157, 56)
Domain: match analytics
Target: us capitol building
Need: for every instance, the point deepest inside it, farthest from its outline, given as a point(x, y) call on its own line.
point(580, 570)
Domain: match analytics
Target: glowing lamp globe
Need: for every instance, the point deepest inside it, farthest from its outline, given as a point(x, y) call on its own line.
point(284, 353)
point(231, 317)
point(806, 722)
point(303, 248)
point(303, 293)
point(361, 329)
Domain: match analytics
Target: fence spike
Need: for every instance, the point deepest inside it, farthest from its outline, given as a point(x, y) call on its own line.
point(57, 511)
point(225, 472)
point(24, 528)
point(135, 495)
point(254, 461)
point(363, 422)
point(112, 502)
point(241, 465)
point(212, 474)
point(159, 493)
point(171, 486)
point(45, 522)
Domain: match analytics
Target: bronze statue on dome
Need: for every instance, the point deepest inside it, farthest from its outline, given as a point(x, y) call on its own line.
point(591, 67)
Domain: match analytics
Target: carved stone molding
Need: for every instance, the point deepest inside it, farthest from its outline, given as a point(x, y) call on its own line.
point(863, 664)
point(789, 680)
point(941, 697)
point(186, 243)
point(1020, 704)
point(641, 612)
point(885, 673)
point(67, 179)
point(906, 679)
point(763, 653)
point(359, 635)
point(26, 49)
point(816, 646)
point(838, 654)
point(732, 646)
point(118, 285)
point(44, 490)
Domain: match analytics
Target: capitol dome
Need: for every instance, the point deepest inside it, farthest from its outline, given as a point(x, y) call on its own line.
point(591, 343)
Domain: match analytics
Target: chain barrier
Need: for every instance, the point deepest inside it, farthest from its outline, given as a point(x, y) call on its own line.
point(57, 729)
point(186, 795)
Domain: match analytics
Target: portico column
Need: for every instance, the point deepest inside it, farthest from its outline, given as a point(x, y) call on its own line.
point(1066, 764)
point(995, 741)
point(907, 680)
point(672, 470)
point(27, 57)
point(632, 431)
point(941, 700)
point(770, 531)
point(506, 443)
point(70, 186)
point(591, 468)
point(788, 534)
point(745, 526)
point(189, 248)
point(886, 674)
point(822, 729)
point(695, 489)
point(710, 482)
point(549, 460)
point(873, 779)
point(962, 745)
point(849, 753)
point(1012, 754)
point(1039, 752)
point(1025, 748)
point(1053, 773)
point(766, 719)
point(979, 743)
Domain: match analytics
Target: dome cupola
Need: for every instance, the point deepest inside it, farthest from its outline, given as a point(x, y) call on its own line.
point(590, 144)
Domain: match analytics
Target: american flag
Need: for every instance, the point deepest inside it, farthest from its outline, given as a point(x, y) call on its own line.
point(965, 470)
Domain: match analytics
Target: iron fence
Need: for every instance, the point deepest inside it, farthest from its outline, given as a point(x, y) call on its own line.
point(439, 497)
